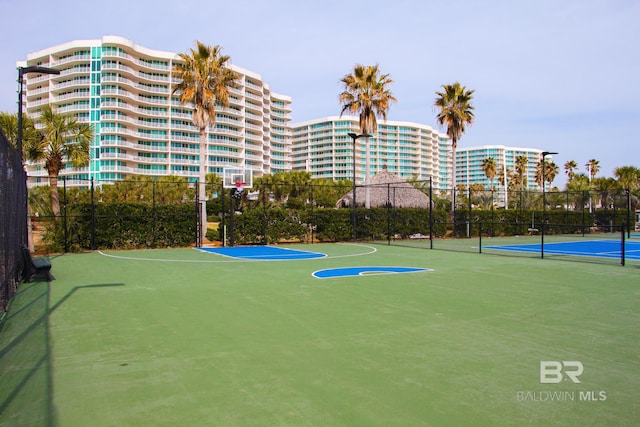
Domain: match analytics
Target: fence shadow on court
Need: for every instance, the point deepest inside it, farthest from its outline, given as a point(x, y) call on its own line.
point(26, 395)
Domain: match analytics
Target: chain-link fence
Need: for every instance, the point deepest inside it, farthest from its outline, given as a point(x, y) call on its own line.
point(164, 212)
point(13, 219)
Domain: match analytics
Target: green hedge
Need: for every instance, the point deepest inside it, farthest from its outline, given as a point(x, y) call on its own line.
point(133, 225)
point(126, 226)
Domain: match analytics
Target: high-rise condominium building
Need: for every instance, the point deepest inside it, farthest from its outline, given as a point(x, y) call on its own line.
point(125, 91)
point(469, 169)
point(324, 148)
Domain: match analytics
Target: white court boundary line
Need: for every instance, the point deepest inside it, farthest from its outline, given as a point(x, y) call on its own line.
point(372, 250)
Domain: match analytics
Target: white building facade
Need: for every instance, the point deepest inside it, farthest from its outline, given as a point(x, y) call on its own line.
point(409, 150)
point(125, 91)
point(469, 165)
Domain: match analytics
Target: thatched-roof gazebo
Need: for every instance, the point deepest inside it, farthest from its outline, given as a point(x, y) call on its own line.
point(387, 189)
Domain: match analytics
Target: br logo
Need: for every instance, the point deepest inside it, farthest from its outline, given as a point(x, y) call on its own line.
point(553, 372)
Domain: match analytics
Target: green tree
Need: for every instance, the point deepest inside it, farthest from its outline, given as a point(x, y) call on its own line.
point(489, 167)
point(570, 168)
point(123, 191)
point(476, 191)
point(593, 167)
point(204, 82)
point(9, 125)
point(578, 187)
point(366, 94)
point(455, 112)
point(326, 193)
point(169, 190)
point(605, 187)
point(550, 172)
point(628, 177)
point(214, 183)
point(520, 175)
point(64, 140)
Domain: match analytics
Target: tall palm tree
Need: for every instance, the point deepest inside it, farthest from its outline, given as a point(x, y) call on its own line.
point(550, 172)
point(64, 140)
point(489, 167)
point(455, 112)
point(366, 94)
point(205, 79)
point(570, 168)
point(521, 171)
point(593, 167)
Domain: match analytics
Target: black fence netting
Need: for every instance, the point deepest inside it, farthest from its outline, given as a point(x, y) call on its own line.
point(141, 213)
point(164, 213)
point(13, 217)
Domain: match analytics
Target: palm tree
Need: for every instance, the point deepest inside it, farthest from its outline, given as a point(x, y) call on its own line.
point(593, 167)
point(628, 177)
point(205, 79)
point(579, 186)
point(366, 93)
point(605, 187)
point(455, 112)
point(490, 169)
point(570, 168)
point(550, 172)
point(9, 125)
point(64, 140)
point(521, 172)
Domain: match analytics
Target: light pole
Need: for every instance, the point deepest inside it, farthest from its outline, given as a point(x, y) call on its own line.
point(354, 136)
point(21, 72)
point(544, 201)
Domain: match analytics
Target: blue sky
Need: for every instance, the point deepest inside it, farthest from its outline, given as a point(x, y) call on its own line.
point(555, 75)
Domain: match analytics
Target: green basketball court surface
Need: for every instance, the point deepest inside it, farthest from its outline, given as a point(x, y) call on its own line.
point(181, 337)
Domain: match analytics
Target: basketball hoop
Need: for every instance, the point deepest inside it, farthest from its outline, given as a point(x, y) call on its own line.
point(239, 188)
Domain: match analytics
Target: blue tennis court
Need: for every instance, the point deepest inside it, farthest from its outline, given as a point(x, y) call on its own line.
point(263, 253)
point(588, 248)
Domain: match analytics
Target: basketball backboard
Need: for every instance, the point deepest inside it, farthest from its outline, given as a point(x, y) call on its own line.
point(237, 178)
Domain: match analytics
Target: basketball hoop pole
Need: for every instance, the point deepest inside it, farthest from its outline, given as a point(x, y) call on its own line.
point(236, 179)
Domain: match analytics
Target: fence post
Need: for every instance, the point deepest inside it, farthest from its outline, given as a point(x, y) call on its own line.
point(223, 232)
point(622, 258)
point(469, 225)
point(493, 219)
point(583, 214)
point(265, 223)
point(312, 217)
point(430, 213)
point(93, 218)
point(389, 213)
point(153, 214)
point(628, 213)
point(64, 215)
point(232, 213)
point(198, 214)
